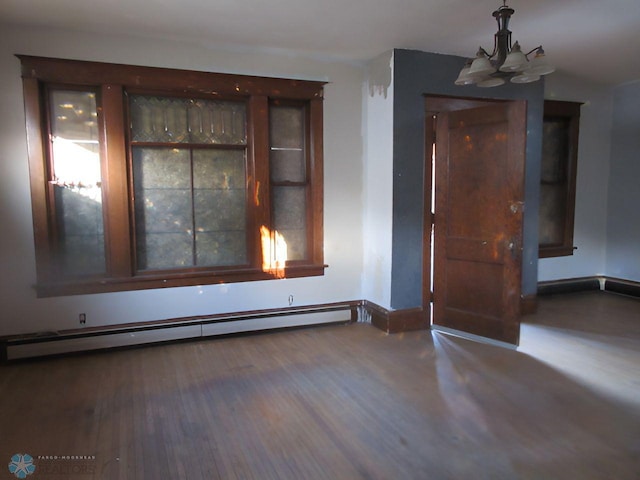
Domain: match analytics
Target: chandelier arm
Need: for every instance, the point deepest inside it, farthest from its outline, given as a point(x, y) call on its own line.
point(533, 50)
point(487, 53)
point(495, 47)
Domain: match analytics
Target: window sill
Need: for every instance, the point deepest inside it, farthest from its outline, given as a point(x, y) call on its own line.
point(555, 251)
point(147, 282)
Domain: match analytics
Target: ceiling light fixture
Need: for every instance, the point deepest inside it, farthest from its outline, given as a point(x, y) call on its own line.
point(506, 62)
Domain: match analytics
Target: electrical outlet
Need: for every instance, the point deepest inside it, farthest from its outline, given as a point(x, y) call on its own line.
point(83, 318)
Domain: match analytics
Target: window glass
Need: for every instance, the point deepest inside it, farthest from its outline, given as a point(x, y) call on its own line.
point(553, 188)
point(183, 120)
point(290, 219)
point(288, 177)
point(558, 178)
point(76, 182)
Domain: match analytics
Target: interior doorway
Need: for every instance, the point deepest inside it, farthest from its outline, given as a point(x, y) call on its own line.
point(474, 191)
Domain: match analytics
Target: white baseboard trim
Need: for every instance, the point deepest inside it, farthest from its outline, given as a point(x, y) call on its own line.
point(270, 323)
point(79, 341)
point(98, 342)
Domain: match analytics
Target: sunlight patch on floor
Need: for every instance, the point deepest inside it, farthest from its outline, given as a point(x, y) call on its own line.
point(591, 359)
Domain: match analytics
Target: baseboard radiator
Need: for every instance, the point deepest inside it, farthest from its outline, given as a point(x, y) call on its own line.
point(125, 335)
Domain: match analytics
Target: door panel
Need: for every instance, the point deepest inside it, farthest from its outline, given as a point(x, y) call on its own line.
point(480, 154)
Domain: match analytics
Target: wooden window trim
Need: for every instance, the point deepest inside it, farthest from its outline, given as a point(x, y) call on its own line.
point(571, 112)
point(112, 81)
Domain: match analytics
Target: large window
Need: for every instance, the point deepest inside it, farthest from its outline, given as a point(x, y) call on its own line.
point(146, 177)
point(558, 178)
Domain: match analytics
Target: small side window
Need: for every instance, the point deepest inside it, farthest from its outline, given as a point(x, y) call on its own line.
point(558, 178)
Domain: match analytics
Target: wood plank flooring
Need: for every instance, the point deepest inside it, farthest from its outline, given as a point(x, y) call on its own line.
point(342, 402)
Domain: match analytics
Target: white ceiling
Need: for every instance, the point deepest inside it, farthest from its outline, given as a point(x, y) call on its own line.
point(595, 39)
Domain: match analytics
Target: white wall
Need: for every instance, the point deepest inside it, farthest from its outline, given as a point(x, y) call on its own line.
point(590, 230)
point(378, 175)
point(22, 312)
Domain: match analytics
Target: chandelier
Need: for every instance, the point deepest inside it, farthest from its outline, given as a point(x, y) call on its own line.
point(506, 62)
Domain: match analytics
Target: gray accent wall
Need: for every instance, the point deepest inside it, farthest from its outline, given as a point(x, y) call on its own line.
point(623, 218)
point(417, 74)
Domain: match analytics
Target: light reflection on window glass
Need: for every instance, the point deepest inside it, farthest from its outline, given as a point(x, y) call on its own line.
point(77, 181)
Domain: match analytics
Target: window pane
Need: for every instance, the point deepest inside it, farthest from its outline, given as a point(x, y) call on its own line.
point(552, 215)
point(220, 207)
point(184, 120)
point(286, 126)
point(220, 169)
point(287, 165)
point(290, 219)
point(165, 250)
point(553, 187)
point(555, 150)
point(181, 193)
point(287, 160)
point(221, 248)
point(77, 182)
point(163, 208)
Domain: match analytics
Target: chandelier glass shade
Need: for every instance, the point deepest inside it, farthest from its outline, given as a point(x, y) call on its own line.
point(507, 62)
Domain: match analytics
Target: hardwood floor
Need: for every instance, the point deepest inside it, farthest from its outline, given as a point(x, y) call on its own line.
point(343, 402)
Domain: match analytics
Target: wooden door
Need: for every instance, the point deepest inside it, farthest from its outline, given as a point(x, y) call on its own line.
point(480, 158)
